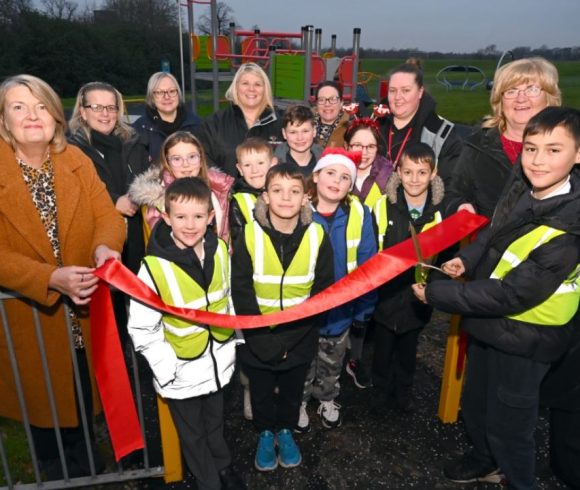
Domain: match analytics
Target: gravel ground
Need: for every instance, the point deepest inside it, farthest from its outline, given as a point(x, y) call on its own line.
point(390, 450)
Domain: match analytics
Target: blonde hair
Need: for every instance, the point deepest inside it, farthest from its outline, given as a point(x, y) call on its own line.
point(516, 73)
point(254, 69)
point(188, 138)
point(78, 124)
point(45, 94)
point(153, 83)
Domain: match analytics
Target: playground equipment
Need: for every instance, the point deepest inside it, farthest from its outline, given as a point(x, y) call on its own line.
point(461, 76)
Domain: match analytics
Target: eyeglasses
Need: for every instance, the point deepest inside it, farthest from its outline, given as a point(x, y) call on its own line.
point(101, 108)
point(328, 100)
point(179, 161)
point(359, 147)
point(172, 92)
point(531, 91)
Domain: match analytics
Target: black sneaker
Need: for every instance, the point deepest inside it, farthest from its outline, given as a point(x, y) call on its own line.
point(469, 469)
point(358, 373)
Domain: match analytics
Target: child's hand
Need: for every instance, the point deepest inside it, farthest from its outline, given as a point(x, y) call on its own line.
point(454, 267)
point(467, 207)
point(419, 290)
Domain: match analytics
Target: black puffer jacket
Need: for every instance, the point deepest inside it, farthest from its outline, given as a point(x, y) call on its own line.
point(289, 344)
point(485, 303)
point(221, 133)
point(424, 126)
point(398, 310)
point(481, 172)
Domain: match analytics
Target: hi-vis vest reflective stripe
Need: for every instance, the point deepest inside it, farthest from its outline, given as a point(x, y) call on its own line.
point(373, 196)
point(381, 219)
point(246, 202)
point(275, 288)
point(559, 308)
point(356, 214)
point(177, 288)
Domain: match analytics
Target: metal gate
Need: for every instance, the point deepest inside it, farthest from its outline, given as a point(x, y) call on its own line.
point(34, 477)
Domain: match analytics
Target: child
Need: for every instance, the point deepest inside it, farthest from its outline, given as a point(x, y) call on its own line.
point(374, 169)
point(181, 156)
point(191, 363)
point(350, 228)
point(299, 131)
point(413, 195)
point(280, 260)
point(519, 305)
point(255, 157)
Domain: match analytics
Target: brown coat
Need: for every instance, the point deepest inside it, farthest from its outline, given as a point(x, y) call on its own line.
point(336, 139)
point(86, 218)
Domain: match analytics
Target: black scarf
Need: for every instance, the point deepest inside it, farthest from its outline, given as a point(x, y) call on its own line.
point(111, 149)
point(166, 127)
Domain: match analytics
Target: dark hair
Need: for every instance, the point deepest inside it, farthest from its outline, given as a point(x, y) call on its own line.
point(412, 66)
point(187, 189)
point(254, 145)
point(287, 171)
point(365, 123)
point(297, 114)
point(329, 83)
point(420, 153)
point(550, 118)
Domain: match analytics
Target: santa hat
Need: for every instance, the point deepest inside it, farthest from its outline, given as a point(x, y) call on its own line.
point(339, 156)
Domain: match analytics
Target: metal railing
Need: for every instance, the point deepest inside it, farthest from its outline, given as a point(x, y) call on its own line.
point(38, 479)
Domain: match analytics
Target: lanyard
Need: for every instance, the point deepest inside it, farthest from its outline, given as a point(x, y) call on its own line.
point(402, 147)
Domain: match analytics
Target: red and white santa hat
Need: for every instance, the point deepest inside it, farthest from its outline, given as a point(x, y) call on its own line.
point(339, 156)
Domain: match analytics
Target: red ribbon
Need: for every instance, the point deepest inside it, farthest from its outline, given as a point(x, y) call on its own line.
point(110, 368)
point(111, 375)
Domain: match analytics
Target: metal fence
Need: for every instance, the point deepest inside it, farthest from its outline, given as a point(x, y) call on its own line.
point(114, 472)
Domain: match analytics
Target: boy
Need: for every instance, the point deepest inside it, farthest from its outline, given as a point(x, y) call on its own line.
point(299, 131)
point(280, 260)
point(519, 306)
point(191, 363)
point(255, 157)
point(414, 194)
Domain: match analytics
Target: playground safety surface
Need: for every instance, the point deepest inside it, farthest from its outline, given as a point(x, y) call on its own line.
point(390, 450)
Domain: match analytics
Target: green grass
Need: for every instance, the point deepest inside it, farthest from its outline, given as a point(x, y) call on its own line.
point(14, 440)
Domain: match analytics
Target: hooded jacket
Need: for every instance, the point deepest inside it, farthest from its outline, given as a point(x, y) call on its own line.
point(397, 309)
point(221, 133)
point(425, 125)
point(360, 310)
point(289, 344)
point(481, 172)
point(283, 155)
point(485, 303)
point(381, 170)
point(174, 377)
point(148, 191)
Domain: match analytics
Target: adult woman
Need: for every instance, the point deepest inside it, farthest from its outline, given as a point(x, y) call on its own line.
point(520, 90)
point(56, 224)
point(413, 118)
point(99, 129)
point(331, 121)
point(165, 113)
point(250, 113)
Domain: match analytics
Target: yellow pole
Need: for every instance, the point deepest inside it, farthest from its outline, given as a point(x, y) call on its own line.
point(452, 381)
point(169, 444)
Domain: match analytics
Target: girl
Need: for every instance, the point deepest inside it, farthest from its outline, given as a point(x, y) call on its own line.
point(374, 169)
point(181, 156)
point(349, 226)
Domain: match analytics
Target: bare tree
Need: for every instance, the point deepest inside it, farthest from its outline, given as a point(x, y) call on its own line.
point(60, 9)
point(10, 9)
point(149, 14)
point(225, 16)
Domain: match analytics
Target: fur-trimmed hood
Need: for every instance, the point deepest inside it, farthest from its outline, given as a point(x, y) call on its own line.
point(147, 189)
point(261, 214)
point(394, 182)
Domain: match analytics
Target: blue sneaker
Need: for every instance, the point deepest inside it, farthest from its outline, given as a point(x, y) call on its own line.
point(288, 453)
point(266, 454)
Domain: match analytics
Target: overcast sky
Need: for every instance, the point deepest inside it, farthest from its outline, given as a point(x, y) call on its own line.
point(432, 25)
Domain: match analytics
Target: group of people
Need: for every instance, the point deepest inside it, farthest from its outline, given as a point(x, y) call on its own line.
point(253, 211)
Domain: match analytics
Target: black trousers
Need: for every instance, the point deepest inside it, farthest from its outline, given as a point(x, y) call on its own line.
point(394, 360)
point(200, 426)
point(500, 410)
point(565, 445)
point(273, 411)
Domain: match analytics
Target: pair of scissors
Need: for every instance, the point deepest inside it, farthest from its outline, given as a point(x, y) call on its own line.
point(421, 271)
